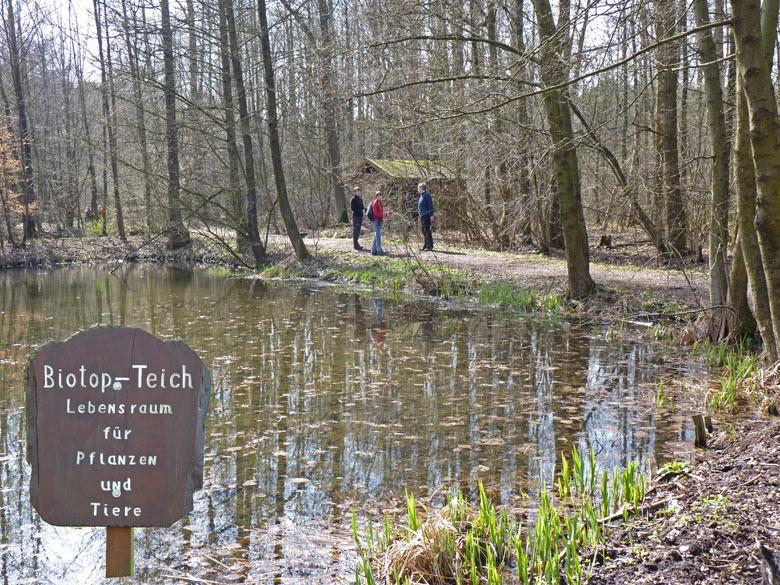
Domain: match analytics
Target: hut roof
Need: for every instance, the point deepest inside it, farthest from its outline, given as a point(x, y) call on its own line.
point(413, 169)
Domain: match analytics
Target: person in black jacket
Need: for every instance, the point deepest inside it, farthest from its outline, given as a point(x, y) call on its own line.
point(358, 210)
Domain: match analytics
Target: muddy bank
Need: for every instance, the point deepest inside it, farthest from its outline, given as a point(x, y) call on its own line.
point(49, 252)
point(707, 522)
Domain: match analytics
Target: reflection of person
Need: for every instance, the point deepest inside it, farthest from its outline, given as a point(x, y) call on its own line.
point(379, 329)
point(427, 333)
point(360, 318)
point(358, 209)
point(379, 217)
point(425, 211)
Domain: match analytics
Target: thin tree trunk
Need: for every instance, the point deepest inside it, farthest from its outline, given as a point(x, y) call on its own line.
point(273, 134)
point(258, 250)
point(193, 53)
point(140, 116)
point(178, 234)
point(29, 219)
point(235, 203)
point(524, 171)
point(666, 122)
point(720, 148)
point(329, 85)
point(109, 113)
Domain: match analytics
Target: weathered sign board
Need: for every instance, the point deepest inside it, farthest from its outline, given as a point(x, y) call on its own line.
point(115, 429)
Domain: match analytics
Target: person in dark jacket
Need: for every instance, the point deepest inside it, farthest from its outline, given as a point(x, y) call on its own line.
point(358, 210)
point(425, 211)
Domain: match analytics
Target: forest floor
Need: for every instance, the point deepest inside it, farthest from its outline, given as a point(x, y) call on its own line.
point(706, 524)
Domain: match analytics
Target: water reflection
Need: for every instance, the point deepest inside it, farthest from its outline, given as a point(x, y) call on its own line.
point(323, 401)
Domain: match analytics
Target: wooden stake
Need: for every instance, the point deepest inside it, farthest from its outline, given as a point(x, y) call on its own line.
point(701, 431)
point(120, 551)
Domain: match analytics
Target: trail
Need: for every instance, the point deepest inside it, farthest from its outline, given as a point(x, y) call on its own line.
point(537, 271)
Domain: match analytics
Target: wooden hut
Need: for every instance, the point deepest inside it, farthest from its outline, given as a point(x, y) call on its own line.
point(397, 181)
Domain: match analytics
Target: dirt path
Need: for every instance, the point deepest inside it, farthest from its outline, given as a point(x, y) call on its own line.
point(537, 271)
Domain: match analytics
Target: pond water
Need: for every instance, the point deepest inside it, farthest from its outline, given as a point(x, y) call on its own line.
point(327, 401)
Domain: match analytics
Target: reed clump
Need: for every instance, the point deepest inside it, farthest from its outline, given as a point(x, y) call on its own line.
point(464, 543)
point(740, 375)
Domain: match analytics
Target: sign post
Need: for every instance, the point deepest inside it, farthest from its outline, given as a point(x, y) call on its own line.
point(115, 431)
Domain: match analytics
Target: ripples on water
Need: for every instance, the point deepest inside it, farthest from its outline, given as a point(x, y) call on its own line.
point(327, 401)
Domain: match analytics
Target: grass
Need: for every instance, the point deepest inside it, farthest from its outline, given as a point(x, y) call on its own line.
point(403, 276)
point(505, 294)
point(737, 364)
point(478, 543)
point(675, 468)
point(94, 228)
point(282, 271)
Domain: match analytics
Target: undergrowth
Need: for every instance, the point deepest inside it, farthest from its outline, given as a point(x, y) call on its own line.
point(738, 367)
point(479, 543)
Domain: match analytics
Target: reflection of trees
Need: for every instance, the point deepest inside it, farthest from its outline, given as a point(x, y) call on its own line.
point(301, 391)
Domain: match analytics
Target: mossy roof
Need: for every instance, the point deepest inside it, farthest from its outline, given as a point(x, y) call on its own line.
point(413, 169)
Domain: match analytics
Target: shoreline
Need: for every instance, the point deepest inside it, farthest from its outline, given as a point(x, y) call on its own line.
point(656, 300)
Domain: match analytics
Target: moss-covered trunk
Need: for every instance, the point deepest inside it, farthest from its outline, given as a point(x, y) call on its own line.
point(567, 172)
point(755, 77)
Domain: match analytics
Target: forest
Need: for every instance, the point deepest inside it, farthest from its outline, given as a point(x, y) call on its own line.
point(246, 118)
point(549, 131)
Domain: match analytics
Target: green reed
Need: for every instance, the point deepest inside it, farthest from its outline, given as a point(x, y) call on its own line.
point(479, 544)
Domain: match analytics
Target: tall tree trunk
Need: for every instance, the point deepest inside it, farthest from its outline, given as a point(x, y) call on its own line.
point(258, 250)
point(567, 171)
point(742, 323)
point(329, 85)
point(107, 83)
point(72, 193)
point(178, 234)
point(235, 203)
point(28, 200)
point(524, 170)
point(754, 63)
point(140, 115)
point(720, 148)
point(192, 47)
point(273, 134)
point(666, 123)
point(745, 185)
point(93, 190)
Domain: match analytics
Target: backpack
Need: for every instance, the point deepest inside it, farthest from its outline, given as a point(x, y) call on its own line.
point(371, 214)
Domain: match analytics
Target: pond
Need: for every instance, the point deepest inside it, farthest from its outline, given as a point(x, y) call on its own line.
point(327, 401)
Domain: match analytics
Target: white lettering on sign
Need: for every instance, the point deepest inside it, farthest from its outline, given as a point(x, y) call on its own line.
point(100, 509)
point(116, 433)
point(90, 407)
point(152, 380)
point(116, 486)
point(112, 459)
point(103, 381)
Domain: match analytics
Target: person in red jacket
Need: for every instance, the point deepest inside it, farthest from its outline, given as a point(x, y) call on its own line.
point(379, 217)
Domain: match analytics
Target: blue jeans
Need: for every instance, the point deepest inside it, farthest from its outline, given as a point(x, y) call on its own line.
point(376, 247)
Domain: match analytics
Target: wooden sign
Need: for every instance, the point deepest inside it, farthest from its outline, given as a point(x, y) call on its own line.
point(115, 429)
